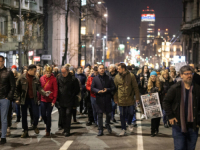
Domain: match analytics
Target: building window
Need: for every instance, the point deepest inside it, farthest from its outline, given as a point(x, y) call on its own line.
point(83, 30)
point(3, 25)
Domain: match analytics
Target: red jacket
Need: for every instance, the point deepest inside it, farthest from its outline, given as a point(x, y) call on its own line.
point(88, 85)
point(49, 84)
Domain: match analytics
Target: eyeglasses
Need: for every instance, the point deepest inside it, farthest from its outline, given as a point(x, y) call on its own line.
point(63, 72)
point(187, 74)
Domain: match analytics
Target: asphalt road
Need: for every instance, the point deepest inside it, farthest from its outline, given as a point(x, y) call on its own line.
point(85, 137)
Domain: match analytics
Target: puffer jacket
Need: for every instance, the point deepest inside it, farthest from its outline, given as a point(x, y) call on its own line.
point(127, 88)
point(7, 84)
point(49, 84)
point(88, 85)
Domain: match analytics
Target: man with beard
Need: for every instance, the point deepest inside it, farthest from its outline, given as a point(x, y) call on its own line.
point(103, 86)
point(181, 105)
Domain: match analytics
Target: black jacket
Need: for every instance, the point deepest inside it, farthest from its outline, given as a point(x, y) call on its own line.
point(172, 100)
point(7, 84)
point(141, 83)
point(68, 88)
point(196, 78)
point(103, 100)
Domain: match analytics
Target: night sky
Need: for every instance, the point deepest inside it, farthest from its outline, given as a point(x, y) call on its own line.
point(125, 16)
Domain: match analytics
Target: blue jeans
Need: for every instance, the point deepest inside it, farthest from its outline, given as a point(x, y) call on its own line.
point(184, 141)
point(46, 110)
point(17, 107)
point(134, 115)
point(93, 102)
point(164, 117)
point(126, 112)
point(4, 107)
point(35, 111)
point(114, 106)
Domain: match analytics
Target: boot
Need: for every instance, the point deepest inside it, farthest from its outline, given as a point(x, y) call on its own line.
point(3, 141)
point(8, 131)
point(89, 123)
point(25, 134)
point(109, 129)
point(100, 133)
point(36, 130)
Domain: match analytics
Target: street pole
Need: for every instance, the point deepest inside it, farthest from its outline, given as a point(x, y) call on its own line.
point(85, 50)
point(19, 51)
point(79, 45)
point(103, 51)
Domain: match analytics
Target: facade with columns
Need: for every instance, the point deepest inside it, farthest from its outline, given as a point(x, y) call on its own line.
point(190, 28)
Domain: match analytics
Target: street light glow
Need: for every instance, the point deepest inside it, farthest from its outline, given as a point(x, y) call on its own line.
point(128, 38)
point(97, 34)
point(90, 45)
point(104, 37)
point(105, 15)
point(99, 2)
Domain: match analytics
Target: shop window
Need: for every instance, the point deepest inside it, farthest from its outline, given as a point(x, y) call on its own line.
point(83, 30)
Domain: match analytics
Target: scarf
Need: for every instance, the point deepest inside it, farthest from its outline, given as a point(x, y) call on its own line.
point(182, 107)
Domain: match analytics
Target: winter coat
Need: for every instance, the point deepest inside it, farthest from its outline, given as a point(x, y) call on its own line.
point(88, 85)
point(68, 89)
point(49, 84)
point(22, 89)
point(141, 83)
point(127, 88)
point(165, 86)
point(172, 100)
point(196, 78)
point(7, 84)
point(112, 75)
point(82, 78)
point(103, 100)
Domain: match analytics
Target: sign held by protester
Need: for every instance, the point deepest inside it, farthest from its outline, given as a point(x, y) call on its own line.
point(151, 105)
point(179, 65)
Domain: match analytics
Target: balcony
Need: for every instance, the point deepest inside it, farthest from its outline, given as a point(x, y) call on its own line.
point(186, 26)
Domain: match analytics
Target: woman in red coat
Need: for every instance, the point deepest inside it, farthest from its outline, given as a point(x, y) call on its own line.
point(48, 83)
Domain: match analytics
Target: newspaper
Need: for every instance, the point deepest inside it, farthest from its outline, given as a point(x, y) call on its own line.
point(179, 65)
point(151, 105)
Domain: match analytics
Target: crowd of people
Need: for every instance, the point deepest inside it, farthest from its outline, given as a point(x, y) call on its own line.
point(97, 90)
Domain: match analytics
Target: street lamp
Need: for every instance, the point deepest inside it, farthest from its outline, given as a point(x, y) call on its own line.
point(105, 15)
point(98, 34)
point(99, 3)
point(128, 38)
point(90, 45)
point(105, 37)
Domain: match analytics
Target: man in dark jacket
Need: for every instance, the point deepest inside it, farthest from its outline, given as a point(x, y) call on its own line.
point(182, 107)
point(112, 74)
point(68, 88)
point(27, 87)
point(103, 86)
point(7, 89)
point(82, 78)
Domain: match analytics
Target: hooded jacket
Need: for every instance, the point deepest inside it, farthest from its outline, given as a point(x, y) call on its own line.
point(127, 88)
point(49, 84)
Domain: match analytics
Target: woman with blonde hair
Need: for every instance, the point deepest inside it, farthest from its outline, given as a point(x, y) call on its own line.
point(48, 83)
point(153, 86)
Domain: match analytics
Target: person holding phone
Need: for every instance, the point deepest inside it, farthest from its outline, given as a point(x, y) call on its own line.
point(181, 105)
point(49, 84)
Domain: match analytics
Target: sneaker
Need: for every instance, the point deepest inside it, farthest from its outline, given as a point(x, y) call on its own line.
point(143, 116)
point(100, 133)
point(3, 141)
point(25, 134)
point(95, 124)
point(36, 130)
point(130, 128)
point(8, 131)
point(123, 133)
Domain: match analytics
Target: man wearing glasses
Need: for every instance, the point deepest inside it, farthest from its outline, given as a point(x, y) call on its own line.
point(7, 89)
point(68, 88)
point(182, 106)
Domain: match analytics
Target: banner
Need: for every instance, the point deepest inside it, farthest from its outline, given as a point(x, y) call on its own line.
point(151, 105)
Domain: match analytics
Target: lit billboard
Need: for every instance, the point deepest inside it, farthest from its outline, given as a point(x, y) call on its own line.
point(148, 17)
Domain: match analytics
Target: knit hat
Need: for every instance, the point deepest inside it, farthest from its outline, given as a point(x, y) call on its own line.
point(13, 67)
point(153, 73)
point(71, 68)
